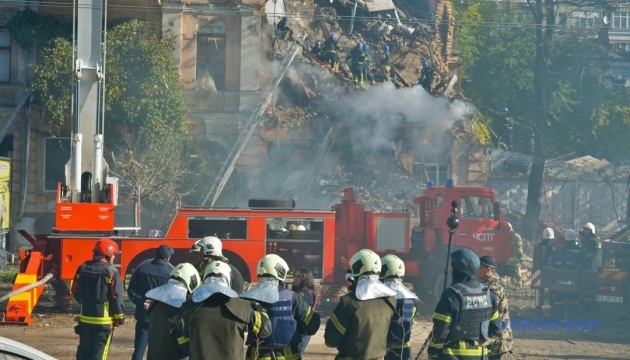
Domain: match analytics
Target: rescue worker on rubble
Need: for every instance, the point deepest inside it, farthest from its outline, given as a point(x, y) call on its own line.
point(215, 323)
point(564, 257)
point(212, 250)
point(488, 274)
point(146, 277)
point(386, 64)
point(507, 139)
point(290, 315)
point(358, 326)
point(283, 31)
point(399, 333)
point(466, 316)
point(330, 52)
point(318, 51)
point(357, 61)
point(542, 250)
point(427, 74)
point(591, 248)
point(165, 304)
point(514, 262)
point(98, 288)
point(367, 66)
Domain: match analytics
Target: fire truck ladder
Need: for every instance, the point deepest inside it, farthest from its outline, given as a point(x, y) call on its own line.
point(246, 133)
point(18, 108)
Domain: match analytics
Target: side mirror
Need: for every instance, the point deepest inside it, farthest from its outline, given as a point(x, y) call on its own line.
point(496, 211)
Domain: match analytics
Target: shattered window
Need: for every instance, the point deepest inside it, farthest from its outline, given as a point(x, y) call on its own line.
point(211, 56)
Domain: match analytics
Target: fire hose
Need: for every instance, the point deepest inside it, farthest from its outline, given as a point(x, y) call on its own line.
point(28, 287)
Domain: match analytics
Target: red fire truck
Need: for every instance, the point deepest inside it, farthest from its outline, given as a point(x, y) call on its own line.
point(322, 240)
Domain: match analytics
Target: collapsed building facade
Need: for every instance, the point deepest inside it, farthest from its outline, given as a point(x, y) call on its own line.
point(309, 136)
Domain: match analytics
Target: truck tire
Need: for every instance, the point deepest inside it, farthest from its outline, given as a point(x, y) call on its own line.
point(272, 203)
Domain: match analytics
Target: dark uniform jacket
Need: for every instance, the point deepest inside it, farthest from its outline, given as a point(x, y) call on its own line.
point(147, 277)
point(358, 328)
point(452, 338)
point(162, 342)
point(591, 252)
point(237, 282)
point(217, 326)
point(291, 317)
point(98, 288)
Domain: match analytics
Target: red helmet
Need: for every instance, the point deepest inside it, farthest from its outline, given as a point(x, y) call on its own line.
point(106, 247)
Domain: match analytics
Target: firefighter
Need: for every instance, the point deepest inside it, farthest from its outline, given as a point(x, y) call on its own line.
point(564, 257)
point(487, 274)
point(330, 52)
point(367, 66)
point(283, 31)
point(197, 253)
point(465, 319)
point(514, 262)
point(542, 250)
point(165, 304)
point(98, 288)
point(304, 285)
point(427, 74)
point(144, 278)
point(359, 324)
point(290, 315)
point(357, 61)
point(215, 325)
point(507, 140)
point(212, 250)
point(318, 51)
point(591, 248)
point(399, 334)
point(386, 64)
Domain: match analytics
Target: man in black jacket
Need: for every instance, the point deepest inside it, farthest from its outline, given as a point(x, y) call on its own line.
point(146, 277)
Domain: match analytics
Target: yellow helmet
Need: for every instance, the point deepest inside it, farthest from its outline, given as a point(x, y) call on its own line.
point(392, 266)
point(188, 274)
point(365, 261)
point(274, 266)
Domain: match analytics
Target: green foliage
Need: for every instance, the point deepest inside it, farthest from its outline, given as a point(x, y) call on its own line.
point(53, 82)
point(145, 113)
point(7, 276)
point(28, 26)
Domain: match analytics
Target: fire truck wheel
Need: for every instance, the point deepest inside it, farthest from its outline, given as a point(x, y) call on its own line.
point(272, 203)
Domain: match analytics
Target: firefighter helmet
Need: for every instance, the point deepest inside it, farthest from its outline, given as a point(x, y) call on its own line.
point(196, 248)
point(365, 47)
point(359, 45)
point(106, 246)
point(385, 47)
point(211, 246)
point(465, 261)
point(272, 265)
point(365, 261)
point(570, 235)
point(392, 266)
point(548, 233)
point(188, 274)
point(589, 225)
point(285, 19)
point(333, 37)
point(425, 64)
point(505, 109)
point(219, 269)
point(318, 43)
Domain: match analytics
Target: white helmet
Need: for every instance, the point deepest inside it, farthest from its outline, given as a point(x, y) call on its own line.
point(392, 266)
point(570, 235)
point(548, 233)
point(365, 261)
point(274, 266)
point(589, 225)
point(196, 248)
point(211, 246)
point(188, 274)
point(219, 269)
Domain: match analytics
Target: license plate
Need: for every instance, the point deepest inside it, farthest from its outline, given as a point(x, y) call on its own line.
point(609, 299)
